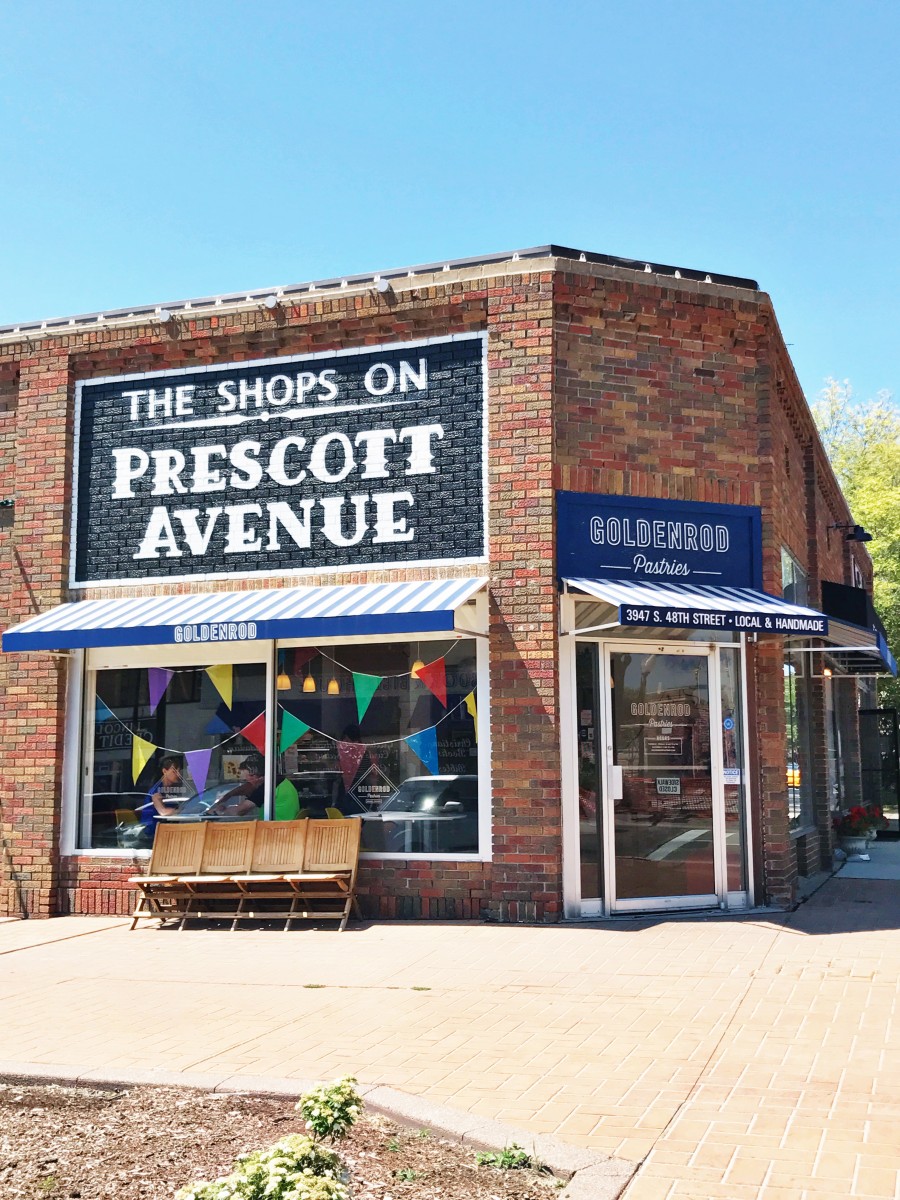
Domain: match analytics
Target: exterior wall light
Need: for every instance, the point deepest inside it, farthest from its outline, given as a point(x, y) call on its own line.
point(855, 533)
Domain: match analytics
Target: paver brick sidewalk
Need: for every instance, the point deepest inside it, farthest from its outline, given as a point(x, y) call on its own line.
point(733, 1058)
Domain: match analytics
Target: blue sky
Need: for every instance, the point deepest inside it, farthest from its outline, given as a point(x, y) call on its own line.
point(152, 152)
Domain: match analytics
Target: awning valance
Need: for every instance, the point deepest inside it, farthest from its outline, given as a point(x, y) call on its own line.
point(690, 606)
point(855, 650)
point(350, 610)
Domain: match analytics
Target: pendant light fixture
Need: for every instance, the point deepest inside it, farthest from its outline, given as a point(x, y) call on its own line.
point(334, 688)
point(417, 665)
point(283, 682)
point(309, 684)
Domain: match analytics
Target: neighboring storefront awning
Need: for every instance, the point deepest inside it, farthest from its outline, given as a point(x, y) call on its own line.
point(688, 606)
point(315, 612)
point(858, 645)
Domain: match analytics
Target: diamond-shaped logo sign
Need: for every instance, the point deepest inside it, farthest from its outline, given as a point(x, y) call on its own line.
point(373, 789)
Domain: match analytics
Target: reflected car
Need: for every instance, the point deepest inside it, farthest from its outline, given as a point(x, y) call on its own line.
point(442, 817)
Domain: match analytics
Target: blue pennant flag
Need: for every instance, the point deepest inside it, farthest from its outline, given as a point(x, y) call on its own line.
point(104, 713)
point(424, 746)
point(217, 725)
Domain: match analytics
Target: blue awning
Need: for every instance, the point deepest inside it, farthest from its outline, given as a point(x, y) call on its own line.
point(690, 606)
point(349, 610)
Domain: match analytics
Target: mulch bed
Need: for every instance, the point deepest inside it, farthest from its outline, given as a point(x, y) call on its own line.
point(67, 1143)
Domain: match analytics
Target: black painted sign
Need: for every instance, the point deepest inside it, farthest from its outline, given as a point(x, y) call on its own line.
point(350, 459)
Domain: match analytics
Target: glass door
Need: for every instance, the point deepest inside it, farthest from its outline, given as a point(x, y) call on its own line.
point(663, 782)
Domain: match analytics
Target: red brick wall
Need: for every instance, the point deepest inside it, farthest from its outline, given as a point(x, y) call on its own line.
point(523, 881)
point(600, 380)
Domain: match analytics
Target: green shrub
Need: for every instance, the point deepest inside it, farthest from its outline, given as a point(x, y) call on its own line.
point(296, 1168)
point(510, 1158)
point(330, 1110)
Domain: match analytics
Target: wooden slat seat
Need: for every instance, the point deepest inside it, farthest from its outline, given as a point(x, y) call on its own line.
point(227, 851)
point(216, 870)
point(278, 851)
point(177, 851)
point(329, 872)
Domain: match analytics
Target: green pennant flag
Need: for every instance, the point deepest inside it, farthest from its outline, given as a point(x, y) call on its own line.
point(292, 729)
point(365, 687)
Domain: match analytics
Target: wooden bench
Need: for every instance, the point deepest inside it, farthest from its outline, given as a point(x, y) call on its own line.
point(238, 869)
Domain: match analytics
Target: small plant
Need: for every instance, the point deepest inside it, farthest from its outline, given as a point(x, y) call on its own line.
point(423, 1133)
point(47, 1184)
point(330, 1110)
point(405, 1175)
point(393, 1145)
point(510, 1158)
point(296, 1168)
point(863, 820)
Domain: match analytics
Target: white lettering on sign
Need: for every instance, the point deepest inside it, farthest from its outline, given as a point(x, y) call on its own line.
point(644, 534)
point(171, 475)
point(220, 631)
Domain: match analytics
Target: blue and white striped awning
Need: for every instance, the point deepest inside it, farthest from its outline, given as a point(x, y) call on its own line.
point(348, 610)
point(689, 606)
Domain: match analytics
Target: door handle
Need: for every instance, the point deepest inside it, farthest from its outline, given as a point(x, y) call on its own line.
point(616, 782)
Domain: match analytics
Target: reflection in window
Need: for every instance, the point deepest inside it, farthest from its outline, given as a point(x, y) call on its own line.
point(383, 732)
point(166, 742)
point(798, 775)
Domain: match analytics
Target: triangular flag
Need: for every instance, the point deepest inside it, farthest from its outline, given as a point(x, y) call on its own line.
point(255, 732)
point(424, 746)
point(141, 753)
point(434, 676)
point(217, 725)
point(472, 711)
point(287, 801)
point(198, 765)
point(104, 713)
point(300, 656)
point(350, 755)
point(222, 680)
point(158, 679)
point(292, 729)
point(365, 687)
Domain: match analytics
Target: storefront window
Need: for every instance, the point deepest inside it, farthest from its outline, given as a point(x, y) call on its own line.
point(384, 732)
point(167, 742)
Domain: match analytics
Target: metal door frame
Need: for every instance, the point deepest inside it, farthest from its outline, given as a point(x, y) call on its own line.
point(718, 898)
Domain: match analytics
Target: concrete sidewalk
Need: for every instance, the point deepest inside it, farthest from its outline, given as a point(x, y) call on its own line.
point(734, 1058)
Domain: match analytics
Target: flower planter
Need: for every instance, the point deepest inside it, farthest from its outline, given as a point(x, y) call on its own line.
point(854, 844)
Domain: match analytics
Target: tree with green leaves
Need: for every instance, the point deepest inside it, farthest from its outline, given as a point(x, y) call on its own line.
point(862, 439)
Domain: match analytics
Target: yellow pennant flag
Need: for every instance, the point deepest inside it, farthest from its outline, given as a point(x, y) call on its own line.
point(222, 681)
point(141, 752)
point(472, 711)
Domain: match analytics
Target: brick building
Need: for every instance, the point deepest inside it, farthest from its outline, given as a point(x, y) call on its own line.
point(533, 563)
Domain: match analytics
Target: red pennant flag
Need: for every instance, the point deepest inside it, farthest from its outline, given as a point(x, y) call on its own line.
point(255, 733)
point(350, 755)
point(434, 676)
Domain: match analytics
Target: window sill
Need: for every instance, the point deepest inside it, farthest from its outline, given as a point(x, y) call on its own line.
point(803, 830)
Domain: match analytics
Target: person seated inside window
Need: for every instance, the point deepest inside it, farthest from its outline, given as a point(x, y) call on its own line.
point(170, 786)
point(246, 798)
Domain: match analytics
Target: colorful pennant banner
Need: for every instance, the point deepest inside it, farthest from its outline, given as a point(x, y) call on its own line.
point(198, 765)
point(255, 733)
point(424, 746)
point(365, 687)
point(222, 679)
point(141, 753)
point(350, 755)
point(434, 676)
point(472, 711)
point(158, 679)
point(292, 730)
